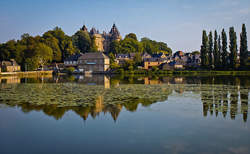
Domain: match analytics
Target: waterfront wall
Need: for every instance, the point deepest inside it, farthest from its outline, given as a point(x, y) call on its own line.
point(26, 74)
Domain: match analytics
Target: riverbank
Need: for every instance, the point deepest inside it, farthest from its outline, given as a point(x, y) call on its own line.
point(182, 73)
point(26, 74)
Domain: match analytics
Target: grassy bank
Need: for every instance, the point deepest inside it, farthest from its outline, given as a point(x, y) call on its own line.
point(182, 73)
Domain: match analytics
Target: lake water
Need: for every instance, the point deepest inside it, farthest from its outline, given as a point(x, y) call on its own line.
point(100, 114)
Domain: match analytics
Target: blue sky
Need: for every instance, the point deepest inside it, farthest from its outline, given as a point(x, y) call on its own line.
point(179, 23)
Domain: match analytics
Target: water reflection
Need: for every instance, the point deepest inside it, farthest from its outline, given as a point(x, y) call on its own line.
point(93, 95)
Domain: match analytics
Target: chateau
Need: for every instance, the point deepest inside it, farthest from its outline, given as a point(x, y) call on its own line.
point(102, 41)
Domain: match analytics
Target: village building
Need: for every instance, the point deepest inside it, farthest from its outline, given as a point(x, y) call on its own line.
point(95, 62)
point(153, 62)
point(72, 60)
point(10, 66)
point(146, 56)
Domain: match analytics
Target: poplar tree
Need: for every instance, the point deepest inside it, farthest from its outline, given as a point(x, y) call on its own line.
point(220, 51)
point(216, 50)
point(210, 50)
point(224, 54)
point(204, 50)
point(243, 47)
point(233, 47)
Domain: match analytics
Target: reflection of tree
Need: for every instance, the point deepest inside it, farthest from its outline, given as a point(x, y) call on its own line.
point(244, 98)
point(214, 94)
point(91, 100)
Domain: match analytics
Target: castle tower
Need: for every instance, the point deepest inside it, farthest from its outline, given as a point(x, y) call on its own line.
point(114, 33)
point(84, 28)
point(93, 31)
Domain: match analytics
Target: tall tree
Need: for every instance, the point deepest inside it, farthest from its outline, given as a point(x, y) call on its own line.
point(204, 50)
point(233, 48)
point(224, 54)
point(82, 41)
point(243, 47)
point(216, 51)
point(210, 49)
point(220, 51)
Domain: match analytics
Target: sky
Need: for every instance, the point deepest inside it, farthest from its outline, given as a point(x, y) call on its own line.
point(179, 23)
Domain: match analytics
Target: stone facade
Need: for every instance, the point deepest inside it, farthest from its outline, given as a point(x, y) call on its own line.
point(10, 66)
point(93, 62)
point(102, 41)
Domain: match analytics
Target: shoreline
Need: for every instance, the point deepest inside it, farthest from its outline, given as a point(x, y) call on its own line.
point(26, 74)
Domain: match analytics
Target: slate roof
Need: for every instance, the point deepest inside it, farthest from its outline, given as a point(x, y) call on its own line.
point(155, 59)
point(94, 55)
point(12, 62)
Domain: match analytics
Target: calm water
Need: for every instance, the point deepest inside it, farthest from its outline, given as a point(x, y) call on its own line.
point(99, 114)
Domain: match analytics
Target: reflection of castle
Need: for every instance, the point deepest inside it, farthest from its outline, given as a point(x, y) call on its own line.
point(219, 96)
point(95, 80)
point(102, 41)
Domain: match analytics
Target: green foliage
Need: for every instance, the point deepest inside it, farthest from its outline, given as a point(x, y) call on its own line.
point(224, 54)
point(220, 50)
point(115, 47)
point(70, 70)
point(129, 45)
point(210, 50)
point(216, 51)
point(195, 52)
point(137, 59)
point(93, 47)
point(243, 47)
point(53, 43)
point(153, 47)
point(132, 36)
point(128, 65)
point(204, 50)
point(82, 41)
point(233, 48)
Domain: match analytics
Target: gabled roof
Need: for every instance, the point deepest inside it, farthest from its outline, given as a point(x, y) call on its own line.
point(155, 59)
point(12, 62)
point(120, 55)
point(94, 55)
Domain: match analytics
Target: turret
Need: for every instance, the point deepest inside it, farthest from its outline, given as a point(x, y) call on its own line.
point(93, 31)
point(114, 32)
point(84, 28)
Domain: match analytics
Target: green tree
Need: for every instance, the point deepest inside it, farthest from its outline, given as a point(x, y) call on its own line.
point(137, 59)
point(233, 48)
point(7, 50)
point(243, 47)
point(64, 43)
point(115, 47)
point(216, 51)
point(93, 47)
point(204, 50)
point(53, 43)
point(41, 55)
point(224, 54)
point(111, 57)
point(220, 51)
point(153, 47)
point(210, 50)
point(129, 45)
point(132, 36)
point(82, 41)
